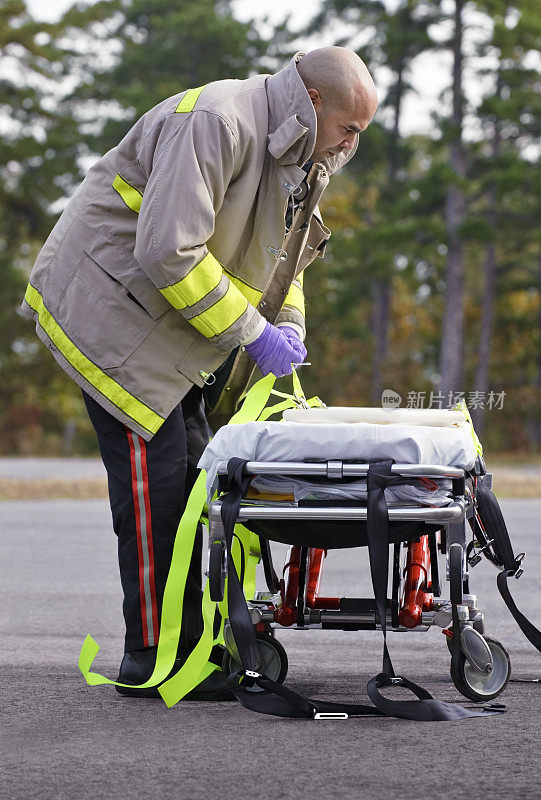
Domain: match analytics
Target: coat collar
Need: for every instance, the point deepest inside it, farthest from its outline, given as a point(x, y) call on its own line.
point(293, 122)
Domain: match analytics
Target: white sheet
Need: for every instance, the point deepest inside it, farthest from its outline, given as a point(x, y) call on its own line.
point(357, 441)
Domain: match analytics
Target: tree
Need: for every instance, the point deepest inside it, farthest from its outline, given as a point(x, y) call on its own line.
point(160, 49)
point(123, 56)
point(452, 355)
point(398, 35)
point(503, 167)
point(35, 164)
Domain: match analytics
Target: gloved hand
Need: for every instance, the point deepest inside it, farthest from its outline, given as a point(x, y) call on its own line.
point(273, 352)
point(293, 338)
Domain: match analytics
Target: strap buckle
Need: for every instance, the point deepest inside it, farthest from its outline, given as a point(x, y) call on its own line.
point(518, 561)
point(331, 715)
point(251, 674)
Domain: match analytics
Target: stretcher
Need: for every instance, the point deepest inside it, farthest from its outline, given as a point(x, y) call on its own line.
point(412, 488)
point(415, 491)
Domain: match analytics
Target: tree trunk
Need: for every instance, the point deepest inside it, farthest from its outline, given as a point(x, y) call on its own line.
point(381, 302)
point(381, 289)
point(535, 413)
point(455, 205)
point(482, 372)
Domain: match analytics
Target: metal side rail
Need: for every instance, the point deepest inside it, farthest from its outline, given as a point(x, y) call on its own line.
point(254, 510)
point(340, 469)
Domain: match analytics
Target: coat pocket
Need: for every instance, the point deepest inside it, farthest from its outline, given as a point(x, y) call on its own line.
point(100, 313)
point(112, 256)
point(316, 241)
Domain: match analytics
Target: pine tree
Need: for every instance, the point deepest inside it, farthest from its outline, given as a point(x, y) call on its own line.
point(36, 163)
point(160, 49)
point(503, 167)
point(399, 34)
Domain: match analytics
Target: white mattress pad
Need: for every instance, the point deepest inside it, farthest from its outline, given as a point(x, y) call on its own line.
point(355, 441)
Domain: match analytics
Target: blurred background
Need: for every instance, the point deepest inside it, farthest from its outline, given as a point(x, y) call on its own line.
point(431, 283)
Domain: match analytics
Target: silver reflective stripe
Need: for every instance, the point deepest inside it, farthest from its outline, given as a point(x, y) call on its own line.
point(152, 639)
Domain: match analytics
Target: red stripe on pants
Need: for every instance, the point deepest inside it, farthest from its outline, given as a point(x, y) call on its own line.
point(141, 503)
point(149, 540)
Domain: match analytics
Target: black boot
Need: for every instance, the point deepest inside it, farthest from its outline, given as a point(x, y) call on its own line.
point(138, 665)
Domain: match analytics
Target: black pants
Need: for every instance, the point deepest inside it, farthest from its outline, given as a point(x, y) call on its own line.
point(149, 483)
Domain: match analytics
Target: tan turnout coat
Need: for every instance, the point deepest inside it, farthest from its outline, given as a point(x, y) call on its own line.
point(173, 247)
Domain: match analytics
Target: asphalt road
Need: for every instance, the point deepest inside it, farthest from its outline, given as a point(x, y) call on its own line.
point(61, 739)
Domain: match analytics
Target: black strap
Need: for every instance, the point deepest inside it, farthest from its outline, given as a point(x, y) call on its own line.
point(271, 578)
point(302, 583)
point(277, 699)
point(377, 532)
point(496, 529)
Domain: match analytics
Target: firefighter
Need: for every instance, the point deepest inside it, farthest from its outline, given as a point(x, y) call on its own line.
point(175, 270)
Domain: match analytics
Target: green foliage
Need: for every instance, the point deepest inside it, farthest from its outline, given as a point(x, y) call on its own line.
point(71, 90)
point(162, 48)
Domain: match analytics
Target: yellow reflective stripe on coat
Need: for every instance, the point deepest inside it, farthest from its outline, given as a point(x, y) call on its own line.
point(189, 100)
point(220, 316)
point(110, 389)
point(295, 298)
point(131, 196)
point(202, 279)
point(252, 294)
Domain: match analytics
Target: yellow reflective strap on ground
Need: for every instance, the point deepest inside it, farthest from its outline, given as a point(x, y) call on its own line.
point(197, 665)
point(88, 653)
point(173, 598)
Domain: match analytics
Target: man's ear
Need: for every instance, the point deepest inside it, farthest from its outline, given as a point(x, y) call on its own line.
point(315, 97)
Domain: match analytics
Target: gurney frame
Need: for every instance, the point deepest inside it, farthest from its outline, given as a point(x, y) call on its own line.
point(484, 668)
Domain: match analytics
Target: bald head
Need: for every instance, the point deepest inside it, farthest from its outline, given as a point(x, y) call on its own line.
point(340, 87)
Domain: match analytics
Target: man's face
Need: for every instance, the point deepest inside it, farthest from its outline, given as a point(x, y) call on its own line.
point(337, 127)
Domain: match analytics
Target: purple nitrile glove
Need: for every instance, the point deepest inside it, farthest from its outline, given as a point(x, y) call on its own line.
point(292, 337)
point(272, 352)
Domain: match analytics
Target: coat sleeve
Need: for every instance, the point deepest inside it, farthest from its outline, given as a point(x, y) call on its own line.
point(292, 310)
point(185, 191)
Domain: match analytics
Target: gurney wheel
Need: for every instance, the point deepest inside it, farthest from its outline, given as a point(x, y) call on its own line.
point(456, 573)
point(217, 571)
point(478, 686)
point(271, 660)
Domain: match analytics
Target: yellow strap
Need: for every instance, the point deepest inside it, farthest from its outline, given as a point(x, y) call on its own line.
point(461, 406)
point(200, 280)
point(190, 674)
point(221, 315)
point(313, 402)
point(173, 597)
point(189, 100)
point(110, 389)
point(297, 388)
point(131, 196)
